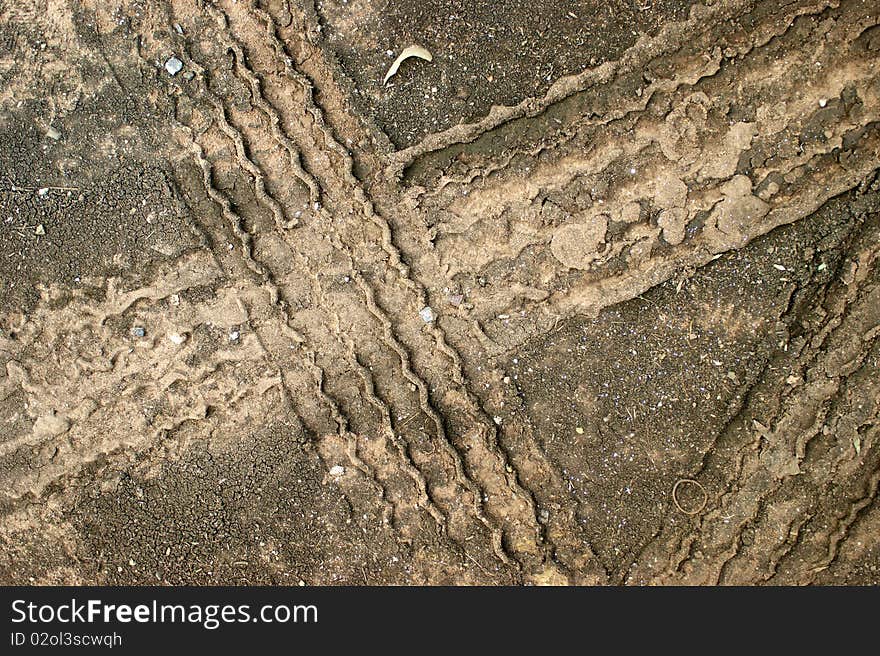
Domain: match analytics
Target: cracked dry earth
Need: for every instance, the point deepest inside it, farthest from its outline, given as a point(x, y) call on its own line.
point(648, 235)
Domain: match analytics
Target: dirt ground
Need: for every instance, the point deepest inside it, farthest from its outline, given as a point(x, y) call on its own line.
point(591, 297)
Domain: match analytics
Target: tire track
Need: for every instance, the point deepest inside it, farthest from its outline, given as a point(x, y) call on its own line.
point(365, 208)
point(257, 175)
point(266, 200)
point(763, 483)
point(428, 409)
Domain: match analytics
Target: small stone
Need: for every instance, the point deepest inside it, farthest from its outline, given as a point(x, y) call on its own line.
point(173, 66)
point(497, 419)
point(177, 338)
point(178, 28)
point(822, 102)
point(579, 430)
point(43, 191)
point(456, 299)
point(337, 470)
point(234, 335)
point(40, 230)
point(53, 133)
point(427, 314)
point(138, 331)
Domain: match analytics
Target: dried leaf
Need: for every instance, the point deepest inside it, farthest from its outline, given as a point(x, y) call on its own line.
point(412, 51)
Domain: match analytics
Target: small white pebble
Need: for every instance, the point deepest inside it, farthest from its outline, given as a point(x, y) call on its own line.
point(234, 335)
point(822, 102)
point(173, 66)
point(177, 338)
point(427, 314)
point(337, 470)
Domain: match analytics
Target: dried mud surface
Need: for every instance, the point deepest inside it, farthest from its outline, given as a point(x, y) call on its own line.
point(591, 298)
